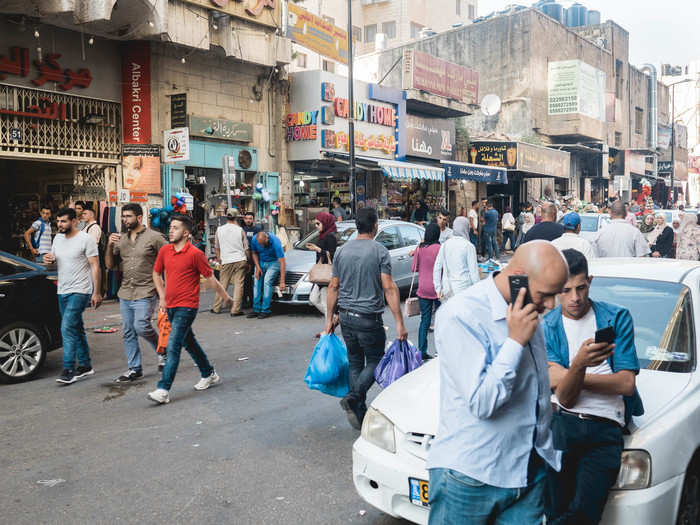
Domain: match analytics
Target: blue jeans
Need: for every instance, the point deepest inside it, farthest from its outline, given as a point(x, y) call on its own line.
point(181, 320)
point(71, 306)
point(426, 317)
point(136, 321)
point(474, 238)
point(456, 499)
point(491, 244)
point(507, 234)
point(262, 296)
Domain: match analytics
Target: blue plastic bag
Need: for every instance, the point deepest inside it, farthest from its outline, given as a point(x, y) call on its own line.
point(400, 359)
point(328, 369)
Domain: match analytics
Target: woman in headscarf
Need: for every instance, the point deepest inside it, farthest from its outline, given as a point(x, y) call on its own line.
point(508, 227)
point(456, 267)
point(420, 214)
point(538, 214)
point(647, 226)
point(423, 263)
point(528, 222)
point(661, 239)
point(688, 238)
point(325, 251)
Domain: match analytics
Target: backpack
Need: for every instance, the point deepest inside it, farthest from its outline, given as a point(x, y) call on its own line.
point(101, 244)
point(36, 236)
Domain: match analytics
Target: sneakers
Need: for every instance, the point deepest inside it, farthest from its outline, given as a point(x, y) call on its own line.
point(252, 315)
point(131, 375)
point(237, 314)
point(206, 382)
point(264, 315)
point(353, 412)
point(67, 377)
point(160, 396)
point(84, 371)
point(161, 363)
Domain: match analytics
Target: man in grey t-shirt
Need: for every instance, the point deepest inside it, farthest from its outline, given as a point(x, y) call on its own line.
point(361, 279)
point(79, 275)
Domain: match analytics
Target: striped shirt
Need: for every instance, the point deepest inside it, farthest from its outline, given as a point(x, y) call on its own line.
point(45, 241)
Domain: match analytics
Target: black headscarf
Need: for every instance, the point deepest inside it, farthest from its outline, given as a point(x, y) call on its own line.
point(421, 213)
point(432, 235)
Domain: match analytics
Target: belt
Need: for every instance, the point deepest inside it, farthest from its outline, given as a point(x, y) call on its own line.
point(589, 417)
point(375, 316)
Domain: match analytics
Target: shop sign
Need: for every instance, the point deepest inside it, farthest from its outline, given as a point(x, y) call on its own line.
point(18, 64)
point(46, 109)
point(430, 138)
point(176, 143)
point(339, 140)
point(263, 12)
point(141, 167)
point(543, 160)
point(371, 113)
point(664, 166)
point(316, 34)
point(464, 171)
point(439, 77)
point(178, 110)
point(302, 125)
point(124, 196)
point(136, 92)
point(499, 154)
point(220, 129)
point(576, 87)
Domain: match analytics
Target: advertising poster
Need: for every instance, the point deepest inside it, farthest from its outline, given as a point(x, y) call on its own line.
point(439, 77)
point(576, 87)
point(315, 33)
point(141, 167)
point(176, 142)
point(136, 93)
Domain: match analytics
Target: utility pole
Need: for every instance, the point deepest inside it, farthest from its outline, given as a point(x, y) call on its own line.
point(351, 118)
point(674, 194)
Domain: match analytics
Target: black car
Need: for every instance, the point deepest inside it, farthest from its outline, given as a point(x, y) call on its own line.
point(30, 323)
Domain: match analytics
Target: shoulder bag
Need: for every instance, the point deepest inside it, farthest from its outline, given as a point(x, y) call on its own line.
point(412, 306)
point(321, 273)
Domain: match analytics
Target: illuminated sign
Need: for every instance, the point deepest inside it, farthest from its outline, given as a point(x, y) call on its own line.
point(302, 125)
point(371, 113)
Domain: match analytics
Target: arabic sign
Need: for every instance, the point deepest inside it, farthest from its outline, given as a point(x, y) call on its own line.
point(430, 138)
point(464, 171)
point(136, 92)
point(177, 144)
point(264, 12)
point(576, 87)
point(141, 168)
point(316, 34)
point(434, 75)
point(17, 63)
point(499, 154)
point(220, 129)
point(664, 166)
point(543, 160)
point(45, 109)
point(178, 110)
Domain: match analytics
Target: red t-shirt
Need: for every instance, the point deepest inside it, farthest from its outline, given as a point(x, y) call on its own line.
point(182, 271)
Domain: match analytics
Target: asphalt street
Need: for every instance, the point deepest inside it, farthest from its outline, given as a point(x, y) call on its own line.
point(259, 448)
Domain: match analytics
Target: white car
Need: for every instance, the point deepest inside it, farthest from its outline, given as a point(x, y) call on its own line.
point(591, 223)
point(659, 481)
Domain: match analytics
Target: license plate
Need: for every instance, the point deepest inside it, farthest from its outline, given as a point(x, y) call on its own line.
point(418, 492)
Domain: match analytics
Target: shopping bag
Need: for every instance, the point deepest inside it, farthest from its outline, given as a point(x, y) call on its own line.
point(400, 358)
point(328, 369)
point(163, 332)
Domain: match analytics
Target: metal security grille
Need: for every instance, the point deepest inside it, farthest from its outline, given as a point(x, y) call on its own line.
point(44, 125)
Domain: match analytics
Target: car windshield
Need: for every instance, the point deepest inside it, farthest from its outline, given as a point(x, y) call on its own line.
point(344, 234)
point(664, 333)
point(589, 223)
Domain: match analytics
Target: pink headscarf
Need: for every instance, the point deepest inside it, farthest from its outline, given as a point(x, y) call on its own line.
point(327, 224)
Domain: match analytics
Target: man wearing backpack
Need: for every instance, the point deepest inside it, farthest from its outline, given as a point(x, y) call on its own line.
point(95, 231)
point(38, 235)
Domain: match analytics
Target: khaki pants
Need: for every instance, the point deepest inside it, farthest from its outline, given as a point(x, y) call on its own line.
point(232, 273)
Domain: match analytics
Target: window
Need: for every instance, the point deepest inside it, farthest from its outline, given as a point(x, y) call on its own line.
point(344, 235)
point(472, 12)
point(411, 235)
point(638, 120)
point(301, 60)
point(415, 30)
point(329, 66)
point(618, 139)
point(619, 81)
point(389, 29)
point(357, 33)
point(370, 33)
point(389, 238)
point(459, 7)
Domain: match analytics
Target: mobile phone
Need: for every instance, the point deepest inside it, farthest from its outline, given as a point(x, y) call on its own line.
point(516, 282)
point(605, 335)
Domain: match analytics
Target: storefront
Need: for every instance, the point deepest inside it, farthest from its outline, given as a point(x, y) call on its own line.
point(60, 126)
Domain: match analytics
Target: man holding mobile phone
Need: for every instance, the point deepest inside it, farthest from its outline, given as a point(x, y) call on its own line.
point(594, 389)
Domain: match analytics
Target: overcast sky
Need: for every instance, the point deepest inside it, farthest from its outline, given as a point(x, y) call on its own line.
point(661, 31)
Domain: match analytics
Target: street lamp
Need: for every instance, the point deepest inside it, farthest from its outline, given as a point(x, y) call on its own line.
point(673, 136)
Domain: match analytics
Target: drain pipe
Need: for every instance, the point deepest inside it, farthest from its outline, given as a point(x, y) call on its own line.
point(653, 135)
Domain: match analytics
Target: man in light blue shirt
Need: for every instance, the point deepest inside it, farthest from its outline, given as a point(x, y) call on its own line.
point(487, 463)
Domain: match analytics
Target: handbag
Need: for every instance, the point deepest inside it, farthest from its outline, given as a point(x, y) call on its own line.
point(322, 273)
point(412, 306)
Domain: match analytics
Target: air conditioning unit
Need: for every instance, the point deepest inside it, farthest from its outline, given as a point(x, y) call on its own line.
point(244, 158)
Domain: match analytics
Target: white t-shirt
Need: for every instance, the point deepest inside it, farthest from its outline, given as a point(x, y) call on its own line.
point(94, 230)
point(575, 241)
point(232, 243)
point(74, 274)
point(473, 219)
point(609, 406)
point(45, 240)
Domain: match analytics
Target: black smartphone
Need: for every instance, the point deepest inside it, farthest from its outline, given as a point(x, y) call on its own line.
point(605, 335)
point(516, 282)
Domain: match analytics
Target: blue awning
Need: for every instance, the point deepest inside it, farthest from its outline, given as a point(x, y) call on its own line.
point(406, 171)
point(477, 172)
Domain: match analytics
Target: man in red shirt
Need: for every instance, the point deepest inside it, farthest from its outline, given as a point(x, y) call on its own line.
point(179, 297)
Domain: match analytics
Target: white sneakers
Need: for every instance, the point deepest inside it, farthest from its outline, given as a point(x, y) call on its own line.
point(160, 396)
point(206, 382)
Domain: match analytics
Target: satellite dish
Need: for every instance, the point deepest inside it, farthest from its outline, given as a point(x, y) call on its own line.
point(490, 105)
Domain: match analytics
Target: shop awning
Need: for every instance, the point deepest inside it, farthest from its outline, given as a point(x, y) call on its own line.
point(405, 170)
point(477, 172)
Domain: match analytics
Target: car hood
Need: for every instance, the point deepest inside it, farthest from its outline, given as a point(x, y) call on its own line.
point(300, 261)
point(412, 403)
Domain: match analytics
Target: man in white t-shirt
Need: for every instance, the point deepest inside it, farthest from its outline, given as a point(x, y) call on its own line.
point(38, 235)
point(474, 224)
point(75, 253)
point(571, 238)
point(233, 252)
point(594, 390)
point(91, 227)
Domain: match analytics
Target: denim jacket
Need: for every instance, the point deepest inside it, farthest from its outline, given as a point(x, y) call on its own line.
point(624, 356)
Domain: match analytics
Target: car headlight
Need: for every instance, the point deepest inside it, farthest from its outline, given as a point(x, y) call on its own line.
point(378, 430)
point(635, 471)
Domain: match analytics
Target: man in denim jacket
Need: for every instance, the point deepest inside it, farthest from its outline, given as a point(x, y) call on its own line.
point(594, 390)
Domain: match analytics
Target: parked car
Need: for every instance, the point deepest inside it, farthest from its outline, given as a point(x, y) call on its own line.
point(30, 323)
point(399, 237)
point(660, 475)
point(591, 223)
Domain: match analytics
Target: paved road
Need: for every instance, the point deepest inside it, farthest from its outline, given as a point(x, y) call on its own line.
point(259, 449)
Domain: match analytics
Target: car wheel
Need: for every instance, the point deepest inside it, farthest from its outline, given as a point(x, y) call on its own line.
point(689, 509)
point(22, 352)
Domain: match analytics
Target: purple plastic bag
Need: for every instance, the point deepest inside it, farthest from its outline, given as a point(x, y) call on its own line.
point(400, 359)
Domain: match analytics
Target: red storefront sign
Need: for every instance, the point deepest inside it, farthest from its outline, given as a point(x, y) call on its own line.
point(434, 75)
point(136, 93)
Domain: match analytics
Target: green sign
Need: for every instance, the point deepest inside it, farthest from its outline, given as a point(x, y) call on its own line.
point(217, 128)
